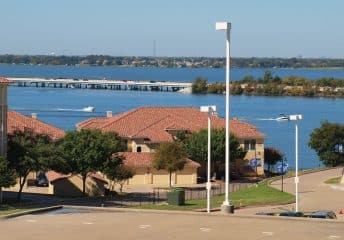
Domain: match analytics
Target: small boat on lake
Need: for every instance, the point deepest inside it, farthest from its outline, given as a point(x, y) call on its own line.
point(283, 117)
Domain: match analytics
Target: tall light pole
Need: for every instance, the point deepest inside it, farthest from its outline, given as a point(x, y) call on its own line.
point(227, 206)
point(210, 110)
point(296, 118)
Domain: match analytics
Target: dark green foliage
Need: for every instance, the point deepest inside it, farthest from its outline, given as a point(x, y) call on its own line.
point(31, 152)
point(197, 148)
point(328, 142)
point(272, 156)
point(199, 86)
point(88, 150)
point(170, 157)
point(7, 176)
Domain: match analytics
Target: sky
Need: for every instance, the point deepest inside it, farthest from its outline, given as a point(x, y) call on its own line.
point(260, 28)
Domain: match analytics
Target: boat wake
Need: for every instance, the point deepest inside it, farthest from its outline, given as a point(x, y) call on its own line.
point(88, 109)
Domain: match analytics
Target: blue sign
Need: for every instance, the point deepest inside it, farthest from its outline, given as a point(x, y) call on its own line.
point(282, 169)
point(256, 162)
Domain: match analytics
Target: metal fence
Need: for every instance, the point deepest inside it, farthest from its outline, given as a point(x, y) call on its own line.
point(159, 195)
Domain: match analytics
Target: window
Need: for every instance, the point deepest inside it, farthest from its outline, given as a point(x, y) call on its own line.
point(250, 145)
point(138, 149)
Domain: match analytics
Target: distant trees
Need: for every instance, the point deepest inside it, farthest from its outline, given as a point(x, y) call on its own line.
point(7, 176)
point(171, 157)
point(199, 86)
point(272, 156)
point(328, 142)
point(88, 150)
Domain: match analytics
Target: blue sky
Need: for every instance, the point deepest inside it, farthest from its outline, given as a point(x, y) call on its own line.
point(260, 28)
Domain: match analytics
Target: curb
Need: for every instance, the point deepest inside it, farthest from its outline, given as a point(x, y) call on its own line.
point(171, 212)
point(39, 210)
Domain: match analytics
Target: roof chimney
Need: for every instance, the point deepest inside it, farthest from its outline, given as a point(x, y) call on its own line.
point(108, 113)
point(34, 115)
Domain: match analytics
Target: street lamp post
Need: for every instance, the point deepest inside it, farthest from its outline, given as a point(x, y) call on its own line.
point(227, 206)
point(296, 118)
point(210, 110)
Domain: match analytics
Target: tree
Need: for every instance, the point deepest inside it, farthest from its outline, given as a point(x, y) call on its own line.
point(197, 148)
point(328, 142)
point(87, 150)
point(7, 176)
point(272, 156)
point(199, 86)
point(170, 157)
point(119, 175)
point(30, 152)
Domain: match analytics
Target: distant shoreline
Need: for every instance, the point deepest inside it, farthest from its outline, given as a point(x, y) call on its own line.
point(150, 67)
point(173, 62)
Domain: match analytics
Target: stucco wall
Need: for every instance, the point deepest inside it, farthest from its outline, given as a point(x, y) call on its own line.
point(161, 177)
point(133, 144)
point(72, 187)
point(243, 165)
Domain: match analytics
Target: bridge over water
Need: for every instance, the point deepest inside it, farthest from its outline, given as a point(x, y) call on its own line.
point(101, 84)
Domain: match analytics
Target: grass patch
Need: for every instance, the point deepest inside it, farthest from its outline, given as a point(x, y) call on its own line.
point(333, 180)
point(10, 206)
point(261, 194)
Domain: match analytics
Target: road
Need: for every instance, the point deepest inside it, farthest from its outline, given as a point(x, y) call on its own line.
point(150, 226)
point(314, 194)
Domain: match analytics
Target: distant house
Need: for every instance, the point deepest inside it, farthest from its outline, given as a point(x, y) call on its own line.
point(145, 128)
point(71, 185)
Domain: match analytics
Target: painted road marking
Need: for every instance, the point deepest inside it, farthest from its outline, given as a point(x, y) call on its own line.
point(333, 237)
point(31, 220)
point(267, 233)
point(203, 229)
point(144, 226)
point(88, 223)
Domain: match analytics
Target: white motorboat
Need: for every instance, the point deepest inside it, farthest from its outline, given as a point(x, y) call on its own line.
point(88, 109)
point(283, 118)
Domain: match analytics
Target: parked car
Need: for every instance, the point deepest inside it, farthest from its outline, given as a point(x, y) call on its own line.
point(201, 180)
point(291, 214)
point(323, 214)
point(42, 180)
point(265, 213)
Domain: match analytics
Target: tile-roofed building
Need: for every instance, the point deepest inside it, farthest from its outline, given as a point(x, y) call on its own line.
point(71, 185)
point(142, 163)
point(145, 159)
point(154, 123)
point(146, 127)
point(20, 122)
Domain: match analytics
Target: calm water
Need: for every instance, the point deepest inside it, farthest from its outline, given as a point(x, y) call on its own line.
point(162, 74)
point(279, 134)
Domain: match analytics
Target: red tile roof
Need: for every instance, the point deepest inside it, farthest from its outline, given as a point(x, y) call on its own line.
point(153, 123)
point(5, 80)
point(145, 159)
point(54, 176)
point(20, 122)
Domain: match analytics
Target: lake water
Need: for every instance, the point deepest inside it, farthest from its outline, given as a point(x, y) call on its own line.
point(156, 74)
point(257, 110)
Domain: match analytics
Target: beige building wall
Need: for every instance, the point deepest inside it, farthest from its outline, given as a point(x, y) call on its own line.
point(161, 178)
point(134, 144)
point(258, 152)
point(72, 187)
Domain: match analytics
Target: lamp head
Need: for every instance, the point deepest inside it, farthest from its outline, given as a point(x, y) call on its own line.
point(295, 117)
point(223, 25)
point(208, 109)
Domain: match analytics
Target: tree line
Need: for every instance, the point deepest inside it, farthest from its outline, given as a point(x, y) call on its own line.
point(186, 62)
point(272, 85)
